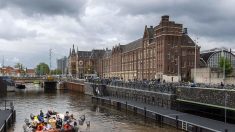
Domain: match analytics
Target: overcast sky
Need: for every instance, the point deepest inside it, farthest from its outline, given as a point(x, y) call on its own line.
point(29, 28)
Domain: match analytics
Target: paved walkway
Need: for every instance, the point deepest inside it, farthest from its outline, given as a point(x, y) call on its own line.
point(192, 119)
point(4, 114)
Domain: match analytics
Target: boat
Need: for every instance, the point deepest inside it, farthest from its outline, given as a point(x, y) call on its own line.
point(53, 122)
point(20, 86)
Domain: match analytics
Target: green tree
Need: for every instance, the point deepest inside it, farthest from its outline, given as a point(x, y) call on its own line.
point(228, 66)
point(42, 69)
point(56, 72)
point(19, 65)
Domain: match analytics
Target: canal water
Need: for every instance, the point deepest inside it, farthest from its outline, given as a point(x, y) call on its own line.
point(102, 118)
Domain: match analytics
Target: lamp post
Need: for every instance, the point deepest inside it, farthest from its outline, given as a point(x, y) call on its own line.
point(195, 60)
point(179, 69)
point(225, 94)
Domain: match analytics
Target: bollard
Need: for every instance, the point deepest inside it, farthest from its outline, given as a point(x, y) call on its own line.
point(226, 130)
point(126, 105)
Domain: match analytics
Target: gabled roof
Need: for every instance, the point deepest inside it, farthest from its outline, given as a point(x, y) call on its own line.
point(133, 45)
point(84, 54)
point(187, 41)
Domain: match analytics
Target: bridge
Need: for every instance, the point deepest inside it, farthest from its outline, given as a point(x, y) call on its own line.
point(28, 79)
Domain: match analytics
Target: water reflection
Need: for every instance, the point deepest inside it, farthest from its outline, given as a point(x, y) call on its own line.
point(102, 118)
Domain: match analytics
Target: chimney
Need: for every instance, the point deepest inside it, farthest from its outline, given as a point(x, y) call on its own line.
point(185, 31)
point(165, 18)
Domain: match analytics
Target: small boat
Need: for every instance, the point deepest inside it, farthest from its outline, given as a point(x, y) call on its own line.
point(20, 86)
point(53, 122)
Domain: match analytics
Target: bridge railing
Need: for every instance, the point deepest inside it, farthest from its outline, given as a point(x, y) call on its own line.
point(141, 85)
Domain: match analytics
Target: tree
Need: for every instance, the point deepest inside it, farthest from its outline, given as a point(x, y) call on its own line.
point(228, 66)
point(19, 65)
point(56, 72)
point(42, 69)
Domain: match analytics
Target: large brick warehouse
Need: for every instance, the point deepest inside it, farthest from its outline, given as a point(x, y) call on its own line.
point(164, 51)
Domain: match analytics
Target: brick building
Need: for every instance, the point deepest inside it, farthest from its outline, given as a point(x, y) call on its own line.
point(165, 51)
point(82, 63)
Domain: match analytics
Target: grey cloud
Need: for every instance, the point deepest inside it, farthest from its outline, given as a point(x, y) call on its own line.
point(46, 7)
point(205, 18)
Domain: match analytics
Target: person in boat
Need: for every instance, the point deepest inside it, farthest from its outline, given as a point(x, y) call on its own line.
point(40, 118)
point(41, 113)
point(40, 127)
point(47, 126)
point(59, 122)
point(66, 117)
point(67, 126)
point(75, 126)
point(49, 113)
point(72, 118)
point(52, 122)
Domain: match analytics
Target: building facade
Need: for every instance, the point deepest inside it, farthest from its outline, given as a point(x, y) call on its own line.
point(62, 64)
point(163, 52)
point(84, 63)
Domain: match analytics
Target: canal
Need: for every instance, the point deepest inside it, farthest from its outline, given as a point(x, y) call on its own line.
point(102, 118)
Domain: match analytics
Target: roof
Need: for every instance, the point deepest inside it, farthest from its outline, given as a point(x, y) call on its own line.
point(133, 45)
point(30, 71)
point(150, 32)
point(187, 41)
point(84, 54)
point(107, 53)
point(205, 55)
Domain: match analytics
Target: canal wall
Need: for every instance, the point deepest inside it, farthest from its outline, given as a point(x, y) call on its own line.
point(208, 96)
point(161, 99)
point(165, 100)
point(162, 116)
point(75, 86)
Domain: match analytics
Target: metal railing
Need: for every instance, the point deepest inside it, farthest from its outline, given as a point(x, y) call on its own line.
point(6, 104)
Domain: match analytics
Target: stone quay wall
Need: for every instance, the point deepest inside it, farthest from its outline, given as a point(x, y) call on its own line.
point(208, 96)
point(165, 100)
point(74, 86)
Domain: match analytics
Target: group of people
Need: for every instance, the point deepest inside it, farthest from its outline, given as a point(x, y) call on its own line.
point(51, 122)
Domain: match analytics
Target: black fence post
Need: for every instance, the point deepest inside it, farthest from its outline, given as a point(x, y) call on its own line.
point(5, 104)
point(145, 112)
point(5, 125)
point(177, 122)
point(126, 105)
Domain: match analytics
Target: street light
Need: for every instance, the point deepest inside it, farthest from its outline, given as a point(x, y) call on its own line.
point(195, 60)
point(225, 94)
